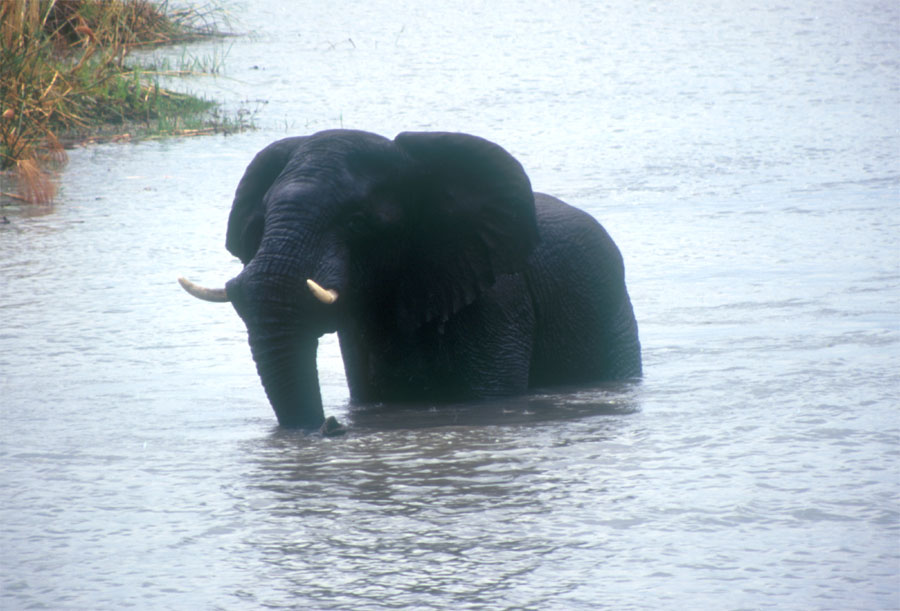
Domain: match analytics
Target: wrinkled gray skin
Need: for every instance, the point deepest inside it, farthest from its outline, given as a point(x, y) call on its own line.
point(455, 280)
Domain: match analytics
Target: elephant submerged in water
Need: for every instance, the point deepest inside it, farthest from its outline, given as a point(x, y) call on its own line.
point(445, 276)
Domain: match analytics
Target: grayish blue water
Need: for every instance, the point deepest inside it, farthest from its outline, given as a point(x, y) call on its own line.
point(745, 159)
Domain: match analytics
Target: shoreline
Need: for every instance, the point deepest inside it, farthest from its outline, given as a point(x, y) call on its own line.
point(67, 81)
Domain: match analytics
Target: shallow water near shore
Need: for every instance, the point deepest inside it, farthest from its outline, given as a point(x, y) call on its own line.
point(745, 160)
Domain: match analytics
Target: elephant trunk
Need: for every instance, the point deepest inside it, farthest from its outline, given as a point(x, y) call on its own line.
point(286, 364)
point(283, 344)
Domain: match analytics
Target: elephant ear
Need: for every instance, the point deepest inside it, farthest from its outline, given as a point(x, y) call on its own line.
point(247, 218)
point(473, 211)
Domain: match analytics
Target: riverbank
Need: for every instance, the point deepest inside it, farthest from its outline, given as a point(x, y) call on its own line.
point(66, 76)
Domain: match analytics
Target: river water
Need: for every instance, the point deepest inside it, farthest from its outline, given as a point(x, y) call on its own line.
point(744, 158)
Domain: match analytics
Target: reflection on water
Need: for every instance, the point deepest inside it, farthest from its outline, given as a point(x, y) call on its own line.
point(744, 159)
point(454, 513)
point(535, 408)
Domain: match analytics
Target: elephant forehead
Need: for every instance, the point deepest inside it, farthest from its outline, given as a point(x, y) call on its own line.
point(345, 150)
point(334, 193)
point(377, 163)
point(341, 169)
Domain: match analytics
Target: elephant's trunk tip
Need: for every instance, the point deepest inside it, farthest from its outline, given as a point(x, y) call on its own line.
point(201, 292)
point(332, 428)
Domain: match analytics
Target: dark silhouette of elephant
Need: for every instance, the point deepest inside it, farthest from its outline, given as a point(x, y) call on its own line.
point(445, 276)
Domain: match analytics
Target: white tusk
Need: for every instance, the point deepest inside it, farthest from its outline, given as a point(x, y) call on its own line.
point(201, 292)
point(326, 296)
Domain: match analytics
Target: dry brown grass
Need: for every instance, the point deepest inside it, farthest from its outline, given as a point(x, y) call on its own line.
point(62, 70)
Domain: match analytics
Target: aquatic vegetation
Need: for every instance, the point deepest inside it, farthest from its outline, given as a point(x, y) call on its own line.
point(64, 78)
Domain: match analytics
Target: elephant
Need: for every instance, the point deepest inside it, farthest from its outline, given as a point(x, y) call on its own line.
point(444, 275)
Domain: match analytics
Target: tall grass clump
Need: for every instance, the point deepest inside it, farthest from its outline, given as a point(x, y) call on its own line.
point(63, 76)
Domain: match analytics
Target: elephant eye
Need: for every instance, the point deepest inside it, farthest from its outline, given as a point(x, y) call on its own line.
point(357, 224)
point(372, 219)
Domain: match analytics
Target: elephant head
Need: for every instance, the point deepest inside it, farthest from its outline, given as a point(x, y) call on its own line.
point(348, 230)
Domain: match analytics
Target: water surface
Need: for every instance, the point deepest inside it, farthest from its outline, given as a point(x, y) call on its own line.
point(744, 159)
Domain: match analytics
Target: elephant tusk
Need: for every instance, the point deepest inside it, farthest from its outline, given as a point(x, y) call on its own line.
point(326, 296)
point(201, 292)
